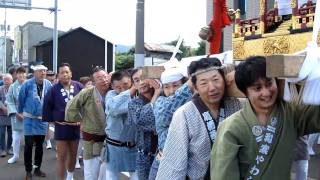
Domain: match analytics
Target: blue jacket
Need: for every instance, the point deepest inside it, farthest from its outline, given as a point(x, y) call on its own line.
point(120, 159)
point(12, 105)
point(30, 103)
point(118, 126)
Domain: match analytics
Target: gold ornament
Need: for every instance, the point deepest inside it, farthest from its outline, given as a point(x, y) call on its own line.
point(238, 50)
point(276, 46)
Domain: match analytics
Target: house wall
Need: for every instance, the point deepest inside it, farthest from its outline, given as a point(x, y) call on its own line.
point(32, 34)
point(81, 49)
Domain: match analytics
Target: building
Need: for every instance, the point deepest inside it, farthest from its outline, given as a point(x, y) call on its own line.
point(159, 53)
point(80, 48)
point(9, 52)
point(26, 37)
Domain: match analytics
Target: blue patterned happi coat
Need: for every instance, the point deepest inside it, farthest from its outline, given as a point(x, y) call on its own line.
point(141, 114)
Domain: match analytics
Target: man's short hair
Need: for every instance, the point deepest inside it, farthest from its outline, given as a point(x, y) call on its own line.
point(21, 69)
point(97, 69)
point(202, 64)
point(12, 70)
point(127, 73)
point(250, 71)
point(84, 80)
point(116, 76)
point(65, 64)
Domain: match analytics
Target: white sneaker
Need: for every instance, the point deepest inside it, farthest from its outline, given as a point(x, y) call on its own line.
point(49, 146)
point(311, 151)
point(78, 166)
point(13, 160)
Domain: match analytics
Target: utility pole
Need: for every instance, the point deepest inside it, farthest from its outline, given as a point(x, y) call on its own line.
point(55, 37)
point(139, 48)
point(4, 64)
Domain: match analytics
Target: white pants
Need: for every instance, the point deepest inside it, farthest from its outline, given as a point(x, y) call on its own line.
point(16, 139)
point(91, 168)
point(313, 138)
point(111, 175)
point(301, 169)
point(102, 174)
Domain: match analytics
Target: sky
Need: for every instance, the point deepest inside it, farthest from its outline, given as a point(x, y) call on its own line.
point(114, 20)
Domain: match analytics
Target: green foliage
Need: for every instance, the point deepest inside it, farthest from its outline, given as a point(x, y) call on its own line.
point(124, 60)
point(201, 50)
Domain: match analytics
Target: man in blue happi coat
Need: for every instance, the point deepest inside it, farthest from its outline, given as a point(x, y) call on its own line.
point(30, 99)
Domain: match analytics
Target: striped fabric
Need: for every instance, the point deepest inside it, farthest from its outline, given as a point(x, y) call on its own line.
point(187, 148)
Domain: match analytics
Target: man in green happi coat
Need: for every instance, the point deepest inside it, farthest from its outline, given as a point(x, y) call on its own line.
point(87, 107)
point(258, 141)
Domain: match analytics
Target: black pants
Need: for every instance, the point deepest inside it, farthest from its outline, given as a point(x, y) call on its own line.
point(29, 142)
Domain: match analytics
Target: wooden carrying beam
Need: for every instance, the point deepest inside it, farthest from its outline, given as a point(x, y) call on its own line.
point(154, 72)
point(284, 66)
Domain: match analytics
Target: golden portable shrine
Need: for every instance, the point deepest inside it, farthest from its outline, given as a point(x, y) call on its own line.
point(272, 33)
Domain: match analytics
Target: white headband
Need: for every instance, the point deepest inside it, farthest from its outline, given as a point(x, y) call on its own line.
point(206, 70)
point(39, 67)
point(171, 75)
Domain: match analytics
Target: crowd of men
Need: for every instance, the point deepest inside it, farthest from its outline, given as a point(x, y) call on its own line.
point(162, 129)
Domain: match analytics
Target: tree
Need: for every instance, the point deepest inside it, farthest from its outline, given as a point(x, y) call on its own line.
point(201, 50)
point(124, 60)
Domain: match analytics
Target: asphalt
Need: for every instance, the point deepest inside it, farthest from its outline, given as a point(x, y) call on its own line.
point(16, 171)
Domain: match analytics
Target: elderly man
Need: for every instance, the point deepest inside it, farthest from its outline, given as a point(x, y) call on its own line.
point(88, 108)
point(5, 123)
point(192, 132)
point(12, 102)
point(31, 98)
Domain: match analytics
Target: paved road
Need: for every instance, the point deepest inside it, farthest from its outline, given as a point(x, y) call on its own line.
point(16, 171)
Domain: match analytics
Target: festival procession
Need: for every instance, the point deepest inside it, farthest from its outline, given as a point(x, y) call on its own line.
point(242, 105)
